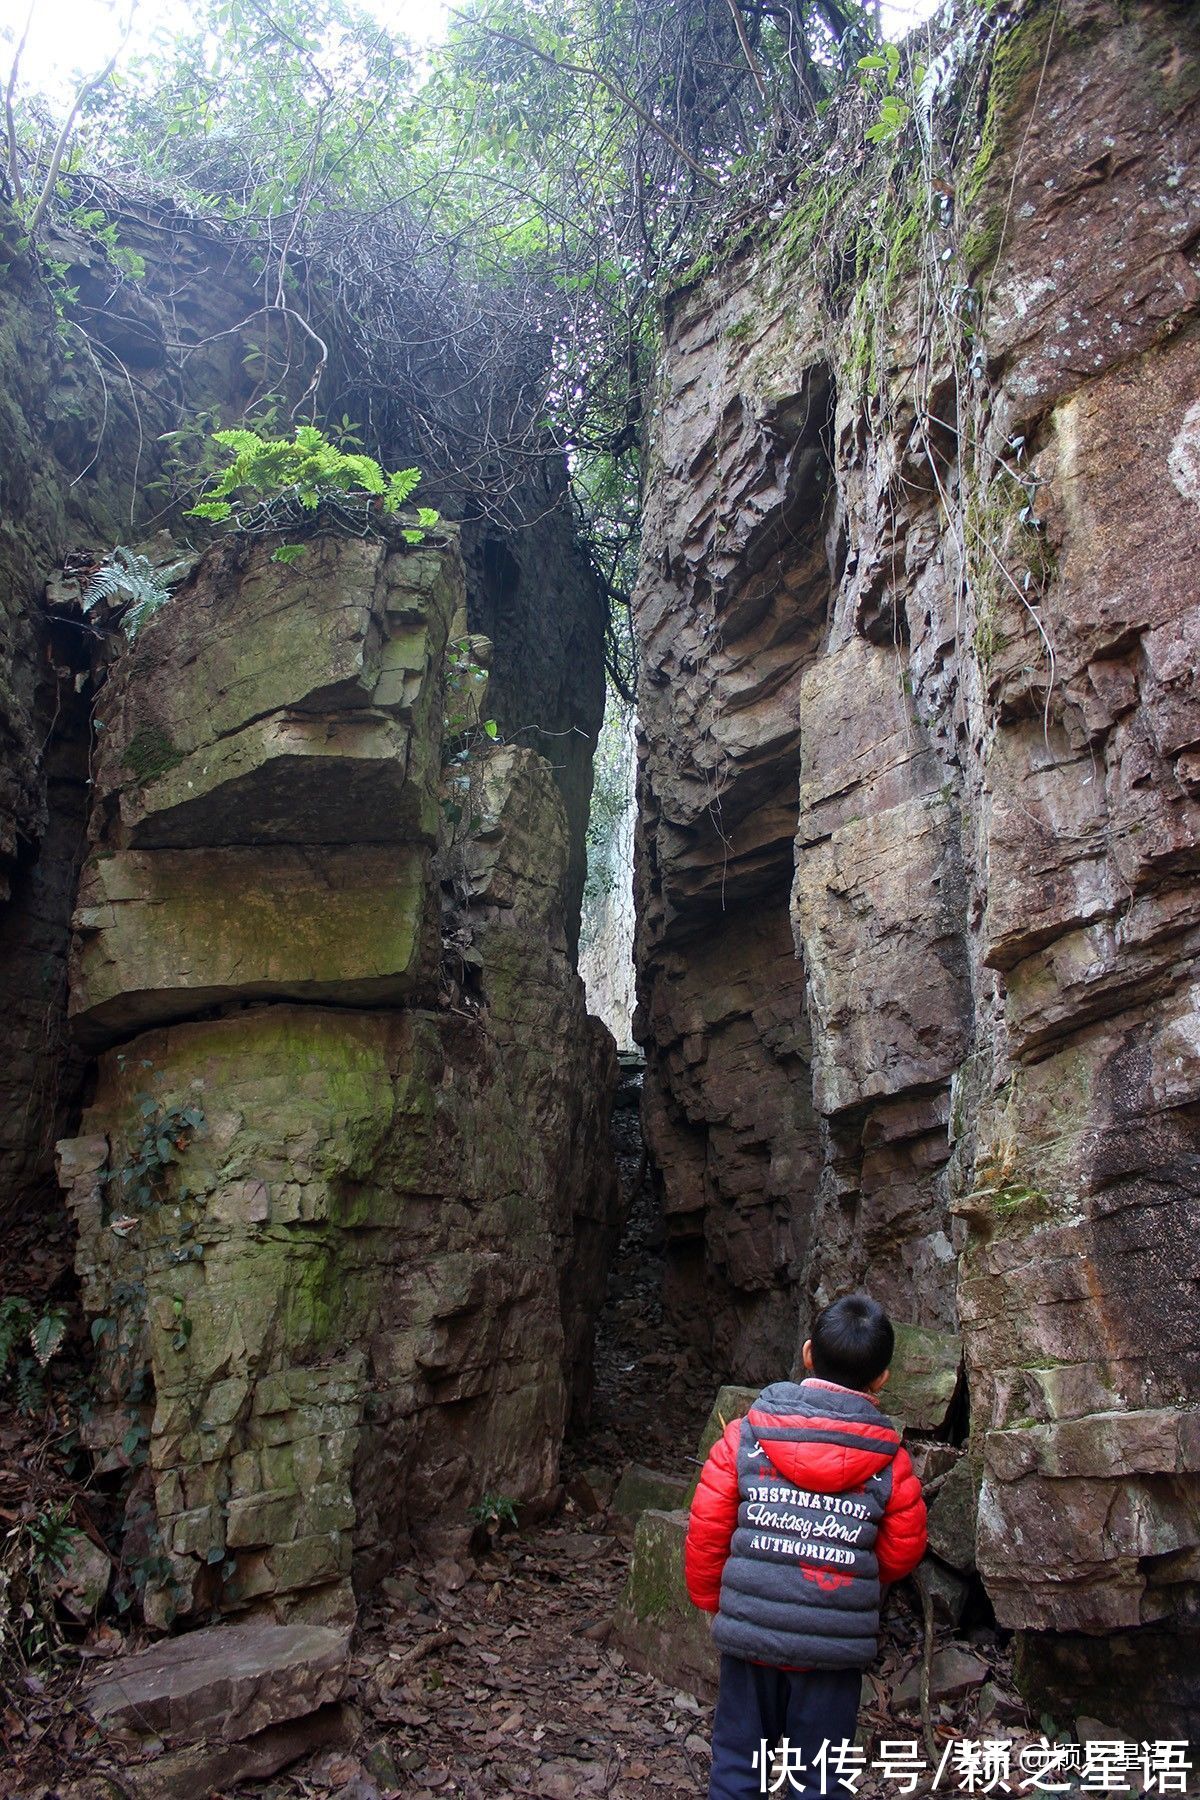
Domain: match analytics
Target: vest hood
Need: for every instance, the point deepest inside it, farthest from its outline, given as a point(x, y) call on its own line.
point(821, 1436)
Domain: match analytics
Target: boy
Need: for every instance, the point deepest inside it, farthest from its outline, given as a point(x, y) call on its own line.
point(803, 1509)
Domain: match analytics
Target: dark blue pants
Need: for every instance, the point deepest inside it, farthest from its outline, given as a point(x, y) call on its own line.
point(807, 1707)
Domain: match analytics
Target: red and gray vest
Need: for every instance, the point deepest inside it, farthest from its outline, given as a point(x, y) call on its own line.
point(801, 1585)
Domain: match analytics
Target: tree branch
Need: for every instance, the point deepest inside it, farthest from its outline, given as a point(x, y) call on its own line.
point(65, 134)
point(614, 88)
point(14, 173)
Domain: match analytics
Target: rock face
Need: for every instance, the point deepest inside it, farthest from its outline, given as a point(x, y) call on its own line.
point(86, 466)
point(343, 1193)
point(920, 740)
point(84, 470)
point(262, 747)
point(531, 591)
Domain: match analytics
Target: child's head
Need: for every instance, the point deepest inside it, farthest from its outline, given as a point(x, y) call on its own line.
point(851, 1343)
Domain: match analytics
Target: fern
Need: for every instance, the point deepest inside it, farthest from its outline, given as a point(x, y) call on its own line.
point(301, 472)
point(47, 1334)
point(124, 575)
point(16, 1320)
point(51, 1538)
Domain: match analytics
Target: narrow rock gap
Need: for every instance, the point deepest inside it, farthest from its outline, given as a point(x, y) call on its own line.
point(652, 1391)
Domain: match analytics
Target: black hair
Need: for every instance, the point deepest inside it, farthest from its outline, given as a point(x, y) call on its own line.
point(852, 1341)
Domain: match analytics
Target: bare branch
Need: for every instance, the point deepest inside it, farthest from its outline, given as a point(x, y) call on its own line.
point(606, 82)
point(14, 171)
point(64, 135)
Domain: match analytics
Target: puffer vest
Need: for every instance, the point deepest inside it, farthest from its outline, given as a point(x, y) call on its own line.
point(801, 1589)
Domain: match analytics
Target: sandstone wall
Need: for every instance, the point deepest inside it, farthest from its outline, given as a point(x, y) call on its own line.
point(343, 1192)
point(84, 418)
point(918, 619)
point(81, 453)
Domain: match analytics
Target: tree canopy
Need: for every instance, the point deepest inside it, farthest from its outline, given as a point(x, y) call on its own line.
point(470, 247)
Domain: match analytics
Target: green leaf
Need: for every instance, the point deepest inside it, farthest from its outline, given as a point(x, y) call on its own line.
point(48, 1334)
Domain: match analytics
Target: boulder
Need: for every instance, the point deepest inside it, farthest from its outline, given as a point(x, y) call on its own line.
point(952, 1516)
point(732, 1402)
point(946, 1590)
point(228, 1682)
point(82, 1582)
point(348, 1188)
point(166, 934)
point(273, 704)
point(656, 1625)
point(213, 1768)
point(955, 1671)
point(642, 1490)
point(924, 1378)
point(591, 1490)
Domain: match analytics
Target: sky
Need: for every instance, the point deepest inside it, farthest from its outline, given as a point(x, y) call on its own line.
point(68, 36)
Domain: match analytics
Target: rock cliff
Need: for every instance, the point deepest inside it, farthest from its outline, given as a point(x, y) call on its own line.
point(917, 896)
point(343, 1192)
point(102, 447)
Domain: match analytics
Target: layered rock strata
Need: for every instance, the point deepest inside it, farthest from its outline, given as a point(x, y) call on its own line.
point(918, 620)
point(343, 1192)
point(91, 463)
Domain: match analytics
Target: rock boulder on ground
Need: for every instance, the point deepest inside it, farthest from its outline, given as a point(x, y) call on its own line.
point(223, 1681)
point(656, 1626)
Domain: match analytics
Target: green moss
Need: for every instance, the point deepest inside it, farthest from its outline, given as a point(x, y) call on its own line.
point(655, 1585)
point(1011, 1198)
point(903, 252)
point(1016, 60)
point(981, 245)
point(1006, 559)
point(315, 1298)
point(794, 238)
point(150, 753)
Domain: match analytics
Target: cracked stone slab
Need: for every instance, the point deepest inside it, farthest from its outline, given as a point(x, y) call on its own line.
point(224, 1681)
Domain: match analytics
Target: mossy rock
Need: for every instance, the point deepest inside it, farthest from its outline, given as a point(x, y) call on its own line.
point(952, 1516)
point(924, 1377)
point(731, 1403)
point(641, 1490)
point(656, 1625)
